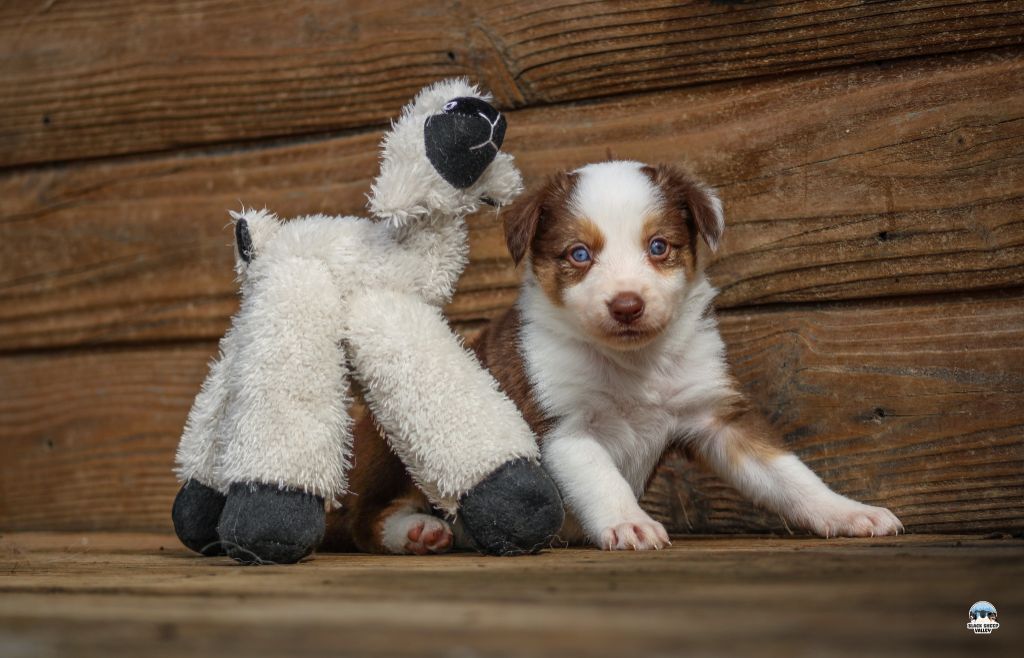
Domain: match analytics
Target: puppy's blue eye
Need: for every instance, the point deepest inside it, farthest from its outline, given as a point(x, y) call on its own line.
point(580, 254)
point(658, 247)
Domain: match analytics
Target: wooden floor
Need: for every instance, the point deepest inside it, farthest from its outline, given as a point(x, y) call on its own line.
point(143, 595)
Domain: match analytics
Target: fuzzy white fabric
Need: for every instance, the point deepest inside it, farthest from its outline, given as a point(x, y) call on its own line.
point(273, 408)
point(423, 386)
point(409, 188)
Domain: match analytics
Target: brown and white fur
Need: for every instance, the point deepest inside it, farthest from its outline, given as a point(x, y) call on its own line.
point(613, 361)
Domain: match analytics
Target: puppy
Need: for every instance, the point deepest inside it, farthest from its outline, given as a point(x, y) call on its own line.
point(613, 356)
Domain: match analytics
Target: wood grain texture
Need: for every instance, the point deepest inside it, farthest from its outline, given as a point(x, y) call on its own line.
point(113, 77)
point(101, 78)
point(121, 594)
point(860, 183)
point(562, 52)
point(913, 404)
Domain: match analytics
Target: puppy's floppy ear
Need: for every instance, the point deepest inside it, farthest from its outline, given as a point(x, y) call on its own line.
point(526, 214)
point(697, 202)
point(520, 223)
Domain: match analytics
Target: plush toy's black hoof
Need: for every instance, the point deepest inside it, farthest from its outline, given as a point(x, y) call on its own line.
point(463, 140)
point(515, 510)
point(262, 524)
point(195, 513)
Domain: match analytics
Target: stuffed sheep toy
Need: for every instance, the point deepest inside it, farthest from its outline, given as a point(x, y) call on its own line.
point(268, 440)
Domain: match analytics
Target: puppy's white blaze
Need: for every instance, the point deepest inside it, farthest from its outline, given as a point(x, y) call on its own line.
point(611, 194)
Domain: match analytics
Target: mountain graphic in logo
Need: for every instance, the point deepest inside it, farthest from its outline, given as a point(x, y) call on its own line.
point(983, 618)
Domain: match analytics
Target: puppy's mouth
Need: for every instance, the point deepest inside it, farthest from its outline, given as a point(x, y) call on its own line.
point(631, 333)
point(629, 336)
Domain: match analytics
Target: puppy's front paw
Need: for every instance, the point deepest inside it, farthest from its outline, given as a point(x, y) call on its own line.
point(639, 535)
point(418, 534)
point(849, 518)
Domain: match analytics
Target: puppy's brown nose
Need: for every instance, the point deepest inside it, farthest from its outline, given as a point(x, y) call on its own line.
point(626, 307)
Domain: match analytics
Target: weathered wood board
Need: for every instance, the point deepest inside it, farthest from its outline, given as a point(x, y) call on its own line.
point(857, 183)
point(914, 404)
point(870, 156)
point(90, 79)
point(121, 594)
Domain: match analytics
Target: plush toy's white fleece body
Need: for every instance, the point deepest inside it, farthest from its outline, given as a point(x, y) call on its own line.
point(324, 298)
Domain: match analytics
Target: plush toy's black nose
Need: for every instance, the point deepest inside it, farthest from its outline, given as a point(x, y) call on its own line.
point(478, 109)
point(463, 139)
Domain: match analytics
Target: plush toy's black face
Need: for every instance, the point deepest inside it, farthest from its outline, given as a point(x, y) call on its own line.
point(463, 140)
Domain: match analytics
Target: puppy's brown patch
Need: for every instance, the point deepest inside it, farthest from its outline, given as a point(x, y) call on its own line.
point(680, 237)
point(378, 482)
point(498, 350)
point(588, 234)
point(547, 204)
point(751, 435)
point(691, 200)
point(549, 253)
point(544, 224)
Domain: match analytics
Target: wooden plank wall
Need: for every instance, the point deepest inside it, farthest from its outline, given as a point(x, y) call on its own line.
point(870, 156)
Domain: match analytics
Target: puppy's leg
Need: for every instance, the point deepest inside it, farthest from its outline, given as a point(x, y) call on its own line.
point(383, 511)
point(743, 452)
point(407, 527)
point(598, 496)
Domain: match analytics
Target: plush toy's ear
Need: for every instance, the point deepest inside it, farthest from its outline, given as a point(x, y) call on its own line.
point(698, 204)
point(243, 241)
point(253, 229)
point(526, 215)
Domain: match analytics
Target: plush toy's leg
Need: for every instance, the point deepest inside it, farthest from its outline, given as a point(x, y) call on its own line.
point(198, 505)
point(463, 441)
point(287, 416)
point(196, 511)
point(265, 524)
point(200, 501)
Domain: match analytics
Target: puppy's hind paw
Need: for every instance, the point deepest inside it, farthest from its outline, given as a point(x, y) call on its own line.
point(417, 534)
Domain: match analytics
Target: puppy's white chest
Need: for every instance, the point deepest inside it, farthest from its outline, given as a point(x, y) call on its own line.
point(635, 438)
point(627, 413)
point(633, 412)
